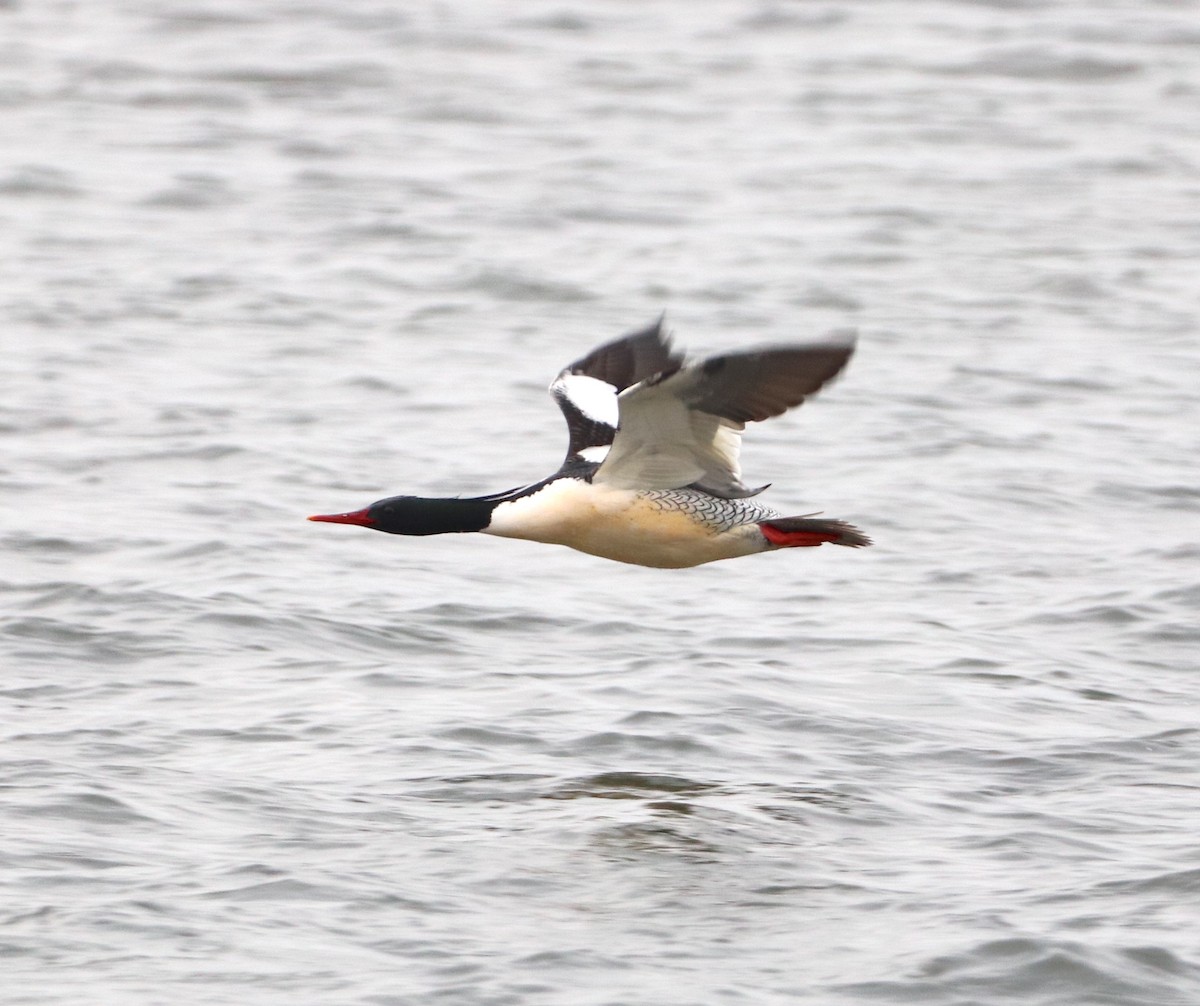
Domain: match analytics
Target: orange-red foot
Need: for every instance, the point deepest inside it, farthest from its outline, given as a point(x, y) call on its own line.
point(796, 539)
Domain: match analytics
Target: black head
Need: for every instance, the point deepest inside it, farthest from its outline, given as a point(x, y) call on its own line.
point(419, 516)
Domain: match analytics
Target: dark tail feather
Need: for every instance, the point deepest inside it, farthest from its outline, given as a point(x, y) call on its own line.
point(799, 532)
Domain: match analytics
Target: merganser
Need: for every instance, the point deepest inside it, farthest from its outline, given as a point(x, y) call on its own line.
point(651, 475)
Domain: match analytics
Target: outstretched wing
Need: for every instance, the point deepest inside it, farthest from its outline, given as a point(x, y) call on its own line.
point(587, 389)
point(685, 427)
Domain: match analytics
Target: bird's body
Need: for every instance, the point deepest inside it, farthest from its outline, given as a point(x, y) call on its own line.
point(651, 475)
point(668, 528)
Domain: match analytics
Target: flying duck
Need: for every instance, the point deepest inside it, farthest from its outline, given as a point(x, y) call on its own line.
point(651, 475)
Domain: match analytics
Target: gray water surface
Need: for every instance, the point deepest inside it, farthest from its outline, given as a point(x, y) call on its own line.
point(261, 261)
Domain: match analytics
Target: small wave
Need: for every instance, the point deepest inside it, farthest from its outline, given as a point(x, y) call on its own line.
point(89, 807)
point(1169, 496)
point(187, 98)
point(513, 286)
point(194, 192)
point(628, 785)
point(1105, 614)
point(36, 180)
point(1176, 882)
point(1044, 65)
point(44, 640)
point(282, 890)
point(315, 78)
point(261, 632)
point(53, 545)
point(1035, 972)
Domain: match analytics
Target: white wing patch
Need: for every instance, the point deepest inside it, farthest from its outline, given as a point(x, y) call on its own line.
point(595, 454)
point(596, 400)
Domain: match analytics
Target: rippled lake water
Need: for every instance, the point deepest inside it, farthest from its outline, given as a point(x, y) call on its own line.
point(260, 261)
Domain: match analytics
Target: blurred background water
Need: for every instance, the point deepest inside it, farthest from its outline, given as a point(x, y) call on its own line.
point(260, 261)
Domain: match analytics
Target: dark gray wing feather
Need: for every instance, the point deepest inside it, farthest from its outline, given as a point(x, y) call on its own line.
point(684, 427)
point(631, 358)
point(753, 385)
